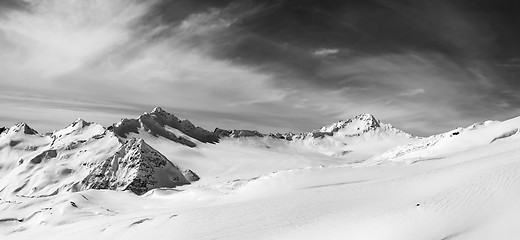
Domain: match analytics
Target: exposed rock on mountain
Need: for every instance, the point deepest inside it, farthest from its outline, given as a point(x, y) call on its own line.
point(237, 133)
point(136, 167)
point(164, 124)
point(362, 135)
point(47, 154)
point(86, 155)
point(191, 176)
point(353, 127)
point(81, 156)
point(24, 128)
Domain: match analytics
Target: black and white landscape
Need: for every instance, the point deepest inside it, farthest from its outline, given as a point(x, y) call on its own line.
point(278, 119)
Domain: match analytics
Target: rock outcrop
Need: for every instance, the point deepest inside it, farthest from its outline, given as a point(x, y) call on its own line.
point(136, 167)
point(191, 176)
point(24, 128)
point(164, 124)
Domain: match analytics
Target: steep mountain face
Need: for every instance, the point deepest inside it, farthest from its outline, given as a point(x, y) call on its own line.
point(161, 123)
point(137, 167)
point(81, 156)
point(24, 128)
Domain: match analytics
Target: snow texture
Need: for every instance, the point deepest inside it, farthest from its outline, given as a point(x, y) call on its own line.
point(357, 178)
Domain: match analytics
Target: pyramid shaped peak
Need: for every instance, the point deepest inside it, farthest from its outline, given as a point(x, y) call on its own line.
point(79, 120)
point(79, 123)
point(137, 167)
point(361, 122)
point(369, 118)
point(23, 127)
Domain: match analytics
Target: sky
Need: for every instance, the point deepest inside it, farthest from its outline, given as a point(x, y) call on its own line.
point(275, 65)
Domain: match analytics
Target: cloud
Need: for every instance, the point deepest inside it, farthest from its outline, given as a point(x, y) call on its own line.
point(412, 92)
point(105, 51)
point(242, 64)
point(323, 52)
point(56, 37)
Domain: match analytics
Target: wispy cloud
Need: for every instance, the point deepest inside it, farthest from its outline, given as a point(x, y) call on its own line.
point(412, 92)
point(323, 52)
point(270, 66)
point(103, 50)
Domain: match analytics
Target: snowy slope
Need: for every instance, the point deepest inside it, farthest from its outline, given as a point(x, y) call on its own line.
point(466, 195)
point(357, 138)
point(242, 154)
point(458, 140)
point(462, 184)
point(67, 160)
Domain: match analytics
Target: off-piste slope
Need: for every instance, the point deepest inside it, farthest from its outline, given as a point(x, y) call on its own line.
point(470, 193)
point(458, 140)
point(462, 184)
point(81, 156)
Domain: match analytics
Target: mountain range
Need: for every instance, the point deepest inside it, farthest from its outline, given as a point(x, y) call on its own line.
point(157, 175)
point(86, 155)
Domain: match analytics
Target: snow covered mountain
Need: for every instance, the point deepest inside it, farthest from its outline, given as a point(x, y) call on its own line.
point(161, 123)
point(359, 137)
point(457, 140)
point(137, 167)
point(87, 155)
point(171, 178)
point(81, 156)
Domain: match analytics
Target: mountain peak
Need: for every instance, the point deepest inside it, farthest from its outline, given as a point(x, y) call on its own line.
point(79, 123)
point(136, 167)
point(159, 110)
point(23, 127)
point(369, 118)
point(359, 123)
point(162, 123)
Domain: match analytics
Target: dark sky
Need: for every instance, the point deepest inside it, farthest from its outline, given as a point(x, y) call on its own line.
point(294, 65)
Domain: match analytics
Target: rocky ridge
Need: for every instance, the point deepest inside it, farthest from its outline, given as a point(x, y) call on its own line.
point(82, 156)
point(164, 124)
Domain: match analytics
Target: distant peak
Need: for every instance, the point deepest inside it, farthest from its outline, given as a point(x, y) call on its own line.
point(79, 122)
point(158, 110)
point(367, 121)
point(23, 127)
point(365, 116)
point(369, 118)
